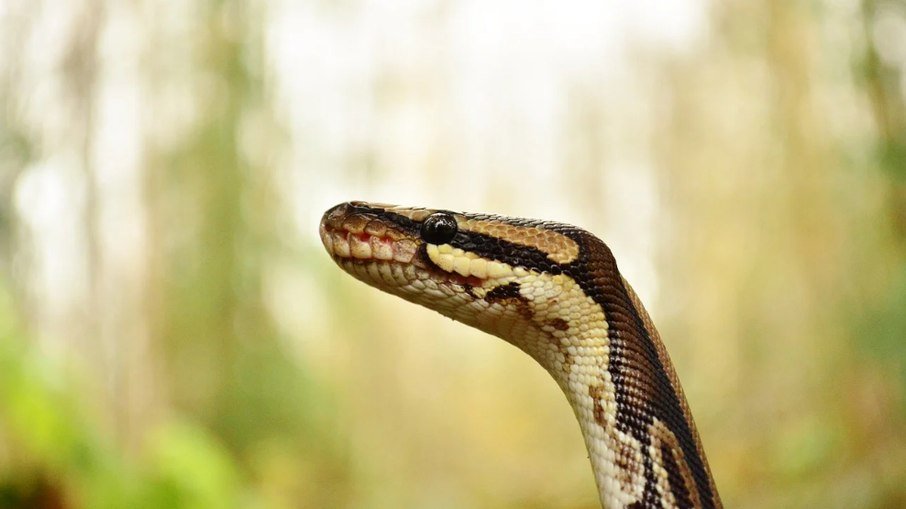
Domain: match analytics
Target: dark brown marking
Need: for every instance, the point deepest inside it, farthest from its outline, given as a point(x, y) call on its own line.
point(559, 324)
point(627, 465)
point(597, 395)
point(504, 292)
point(509, 294)
point(675, 479)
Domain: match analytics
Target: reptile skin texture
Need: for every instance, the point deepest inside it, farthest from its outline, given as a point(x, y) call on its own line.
point(554, 291)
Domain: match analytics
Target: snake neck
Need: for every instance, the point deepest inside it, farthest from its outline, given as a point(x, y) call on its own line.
point(641, 440)
point(578, 362)
point(587, 385)
point(617, 458)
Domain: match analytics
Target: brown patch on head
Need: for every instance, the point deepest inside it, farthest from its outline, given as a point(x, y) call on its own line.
point(509, 294)
point(558, 247)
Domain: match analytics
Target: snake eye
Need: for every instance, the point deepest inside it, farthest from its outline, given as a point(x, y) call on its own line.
point(439, 228)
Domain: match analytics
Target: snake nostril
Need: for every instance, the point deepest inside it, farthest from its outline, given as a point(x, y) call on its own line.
point(335, 213)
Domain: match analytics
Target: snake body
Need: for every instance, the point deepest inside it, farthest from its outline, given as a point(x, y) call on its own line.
point(554, 291)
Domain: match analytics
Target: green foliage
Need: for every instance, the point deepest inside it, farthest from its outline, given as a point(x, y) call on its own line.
point(68, 461)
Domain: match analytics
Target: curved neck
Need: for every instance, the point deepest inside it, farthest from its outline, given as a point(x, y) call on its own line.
point(620, 382)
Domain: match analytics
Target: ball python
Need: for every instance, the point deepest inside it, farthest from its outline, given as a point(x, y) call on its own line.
point(554, 291)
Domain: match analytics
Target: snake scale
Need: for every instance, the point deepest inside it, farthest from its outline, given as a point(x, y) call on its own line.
point(554, 291)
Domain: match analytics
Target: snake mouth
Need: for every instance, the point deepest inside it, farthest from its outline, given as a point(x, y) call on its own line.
point(360, 239)
point(348, 246)
point(346, 232)
point(378, 244)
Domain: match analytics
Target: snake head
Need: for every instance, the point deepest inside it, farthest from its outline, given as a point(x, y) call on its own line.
point(498, 274)
point(405, 251)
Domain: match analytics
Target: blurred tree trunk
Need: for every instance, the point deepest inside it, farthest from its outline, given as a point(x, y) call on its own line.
point(203, 207)
point(883, 84)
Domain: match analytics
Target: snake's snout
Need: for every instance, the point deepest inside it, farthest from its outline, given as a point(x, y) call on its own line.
point(337, 210)
point(350, 231)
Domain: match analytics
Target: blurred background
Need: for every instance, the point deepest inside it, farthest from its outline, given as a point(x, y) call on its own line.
point(173, 335)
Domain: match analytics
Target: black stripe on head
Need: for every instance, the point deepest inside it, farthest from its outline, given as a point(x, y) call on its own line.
point(400, 221)
point(504, 251)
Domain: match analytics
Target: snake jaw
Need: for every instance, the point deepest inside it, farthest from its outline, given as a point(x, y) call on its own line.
point(348, 249)
point(356, 236)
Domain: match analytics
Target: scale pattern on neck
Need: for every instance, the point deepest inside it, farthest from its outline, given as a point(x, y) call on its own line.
point(554, 291)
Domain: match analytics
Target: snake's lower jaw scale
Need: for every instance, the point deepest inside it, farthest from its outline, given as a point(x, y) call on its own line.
point(554, 291)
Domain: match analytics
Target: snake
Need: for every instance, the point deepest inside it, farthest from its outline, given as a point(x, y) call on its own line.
point(554, 291)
